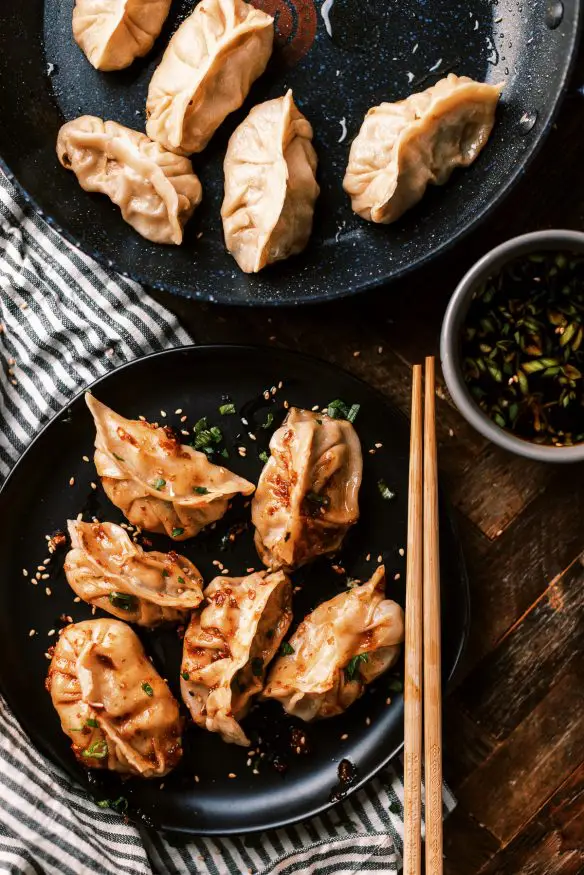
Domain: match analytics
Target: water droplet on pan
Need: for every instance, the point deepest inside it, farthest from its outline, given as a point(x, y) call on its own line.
point(527, 121)
point(554, 14)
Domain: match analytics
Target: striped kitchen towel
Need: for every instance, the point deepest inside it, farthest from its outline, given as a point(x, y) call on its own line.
point(64, 322)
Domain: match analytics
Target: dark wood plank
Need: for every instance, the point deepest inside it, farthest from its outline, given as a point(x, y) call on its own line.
point(515, 677)
point(553, 843)
point(468, 846)
point(510, 787)
point(510, 574)
point(466, 744)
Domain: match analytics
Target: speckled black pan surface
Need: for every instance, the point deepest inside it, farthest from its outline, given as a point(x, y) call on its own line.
point(378, 51)
point(37, 500)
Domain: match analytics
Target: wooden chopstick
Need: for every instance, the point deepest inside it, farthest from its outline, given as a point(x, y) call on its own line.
point(431, 601)
point(413, 642)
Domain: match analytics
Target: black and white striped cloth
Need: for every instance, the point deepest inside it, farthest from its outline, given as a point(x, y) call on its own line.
point(66, 321)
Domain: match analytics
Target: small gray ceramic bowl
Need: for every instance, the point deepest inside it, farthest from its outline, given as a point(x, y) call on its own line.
point(450, 342)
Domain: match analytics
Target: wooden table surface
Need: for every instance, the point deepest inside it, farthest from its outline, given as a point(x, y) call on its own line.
point(514, 722)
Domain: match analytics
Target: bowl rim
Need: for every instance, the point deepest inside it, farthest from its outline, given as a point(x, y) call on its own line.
point(449, 347)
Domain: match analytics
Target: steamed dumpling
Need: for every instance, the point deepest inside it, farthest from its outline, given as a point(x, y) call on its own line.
point(106, 568)
point(156, 190)
point(206, 72)
point(112, 33)
point(113, 704)
point(307, 496)
point(337, 650)
point(402, 147)
point(228, 646)
point(159, 484)
point(270, 185)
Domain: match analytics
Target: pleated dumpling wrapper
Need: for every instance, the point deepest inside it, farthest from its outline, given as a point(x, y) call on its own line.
point(107, 569)
point(402, 147)
point(206, 72)
point(228, 646)
point(342, 646)
point(156, 190)
point(113, 33)
point(159, 484)
point(270, 185)
point(113, 704)
point(308, 493)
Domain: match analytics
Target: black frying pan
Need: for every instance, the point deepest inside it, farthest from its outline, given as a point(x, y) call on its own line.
point(379, 50)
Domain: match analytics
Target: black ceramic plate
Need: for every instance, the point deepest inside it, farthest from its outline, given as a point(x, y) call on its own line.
point(37, 500)
point(378, 51)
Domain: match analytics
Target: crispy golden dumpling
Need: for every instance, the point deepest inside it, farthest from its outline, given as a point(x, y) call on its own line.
point(113, 704)
point(106, 568)
point(337, 650)
point(228, 646)
point(159, 484)
point(307, 496)
point(270, 185)
point(206, 72)
point(156, 190)
point(112, 33)
point(402, 147)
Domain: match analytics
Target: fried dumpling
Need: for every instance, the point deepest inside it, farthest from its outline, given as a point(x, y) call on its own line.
point(113, 704)
point(307, 496)
point(402, 147)
point(156, 190)
point(206, 72)
point(159, 484)
point(337, 650)
point(112, 33)
point(270, 185)
point(228, 646)
point(107, 569)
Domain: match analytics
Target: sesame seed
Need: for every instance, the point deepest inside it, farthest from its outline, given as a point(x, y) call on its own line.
point(163, 413)
point(93, 485)
point(380, 558)
point(161, 787)
point(178, 411)
point(356, 354)
point(267, 395)
point(397, 576)
point(252, 436)
point(368, 721)
point(24, 306)
point(388, 701)
point(184, 431)
point(273, 390)
point(315, 408)
point(401, 551)
point(51, 632)
point(142, 418)
point(93, 610)
point(14, 382)
point(216, 562)
point(255, 771)
point(297, 589)
point(248, 763)
point(372, 452)
point(273, 337)
point(79, 516)
point(250, 570)
point(24, 572)
point(344, 736)
point(280, 384)
point(48, 655)
point(368, 557)
point(451, 432)
point(76, 599)
point(31, 633)
point(286, 405)
point(379, 349)
point(72, 481)
point(378, 446)
point(41, 567)
point(244, 421)
point(85, 458)
point(183, 419)
point(242, 451)
point(196, 777)
point(232, 775)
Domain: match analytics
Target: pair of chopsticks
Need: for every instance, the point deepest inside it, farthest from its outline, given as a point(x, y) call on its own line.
point(422, 642)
